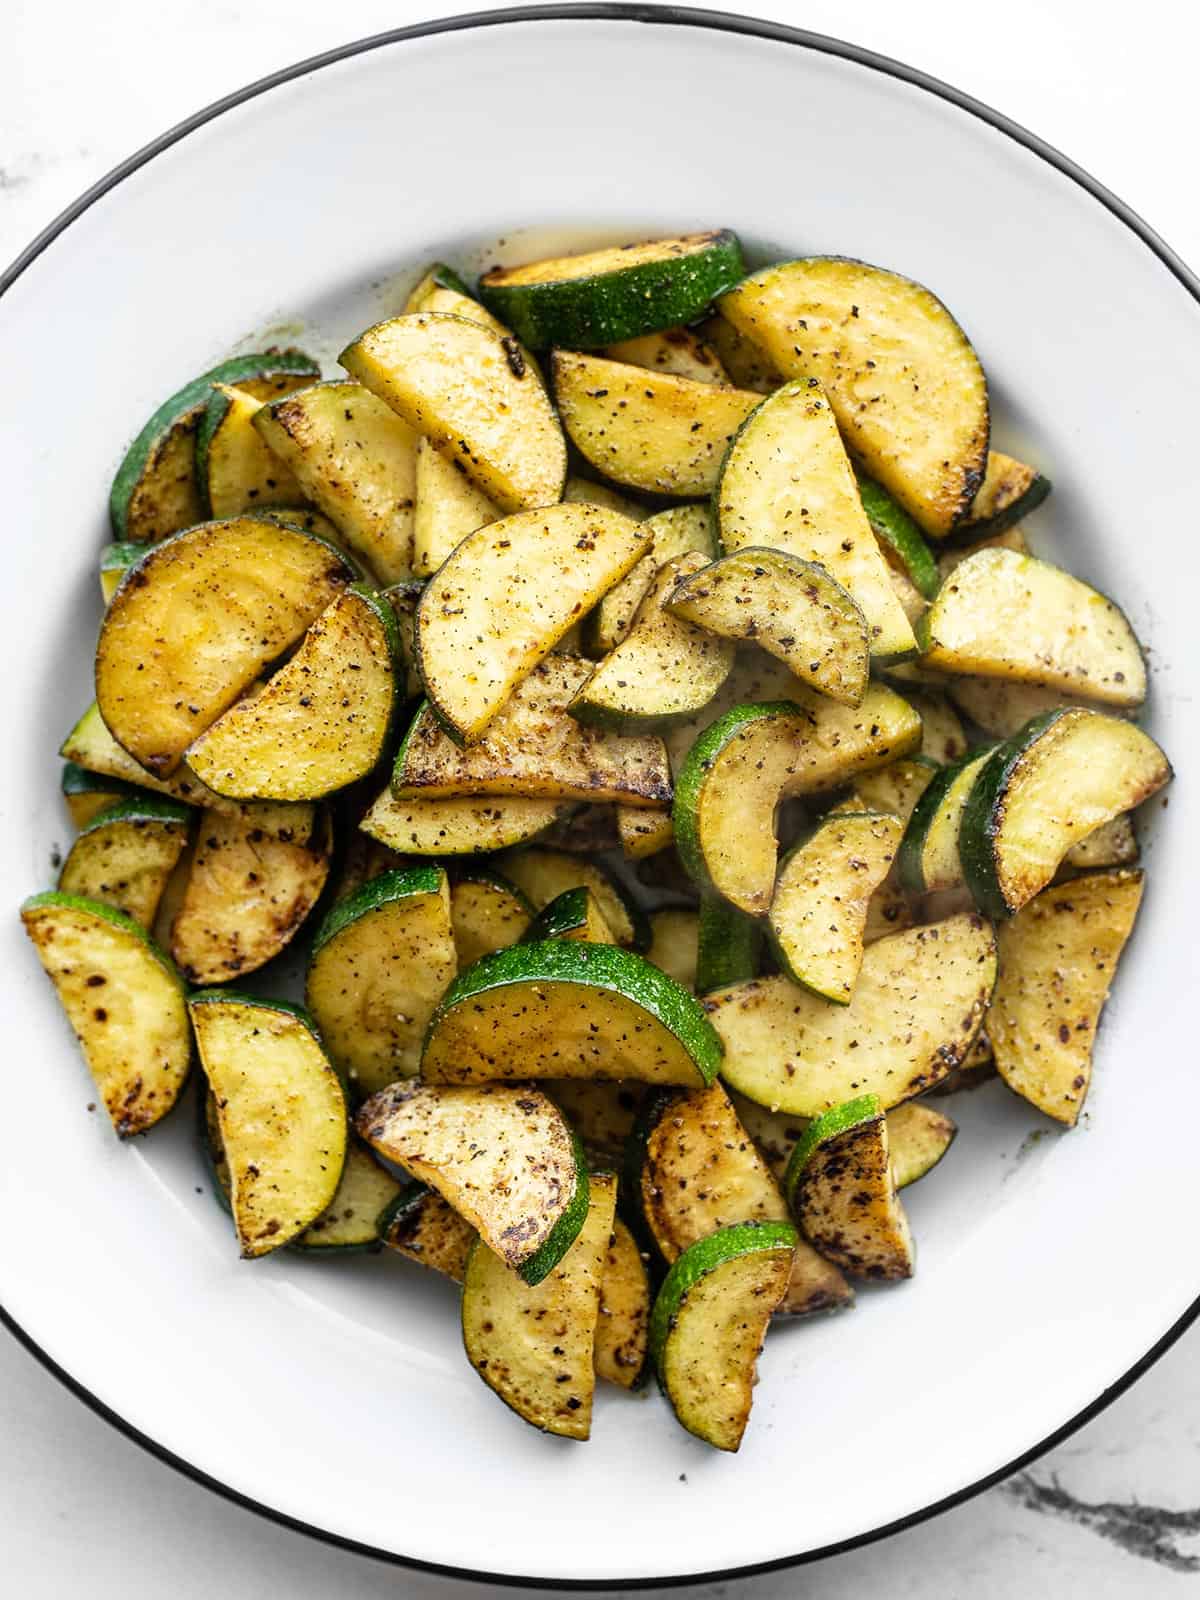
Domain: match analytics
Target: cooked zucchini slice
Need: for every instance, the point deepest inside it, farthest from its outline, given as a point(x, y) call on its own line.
point(602, 1114)
point(448, 507)
point(155, 492)
point(195, 622)
point(674, 944)
point(124, 856)
point(623, 1323)
point(535, 749)
point(665, 668)
point(1005, 615)
point(728, 945)
point(787, 482)
point(942, 735)
point(1010, 490)
point(542, 875)
point(899, 536)
point(1113, 844)
point(443, 290)
point(790, 607)
point(351, 1219)
point(361, 860)
point(563, 1009)
point(1058, 957)
point(472, 391)
point(88, 793)
point(918, 1138)
point(818, 912)
point(357, 460)
point(281, 1112)
point(1052, 785)
point(534, 1345)
point(650, 430)
point(248, 893)
point(619, 292)
point(487, 912)
point(502, 1156)
point(404, 598)
point(467, 827)
point(895, 788)
point(323, 721)
point(236, 469)
point(916, 1007)
point(115, 562)
point(842, 1191)
point(419, 1224)
point(582, 491)
point(124, 1000)
point(742, 359)
point(674, 532)
point(643, 833)
point(1002, 707)
point(755, 756)
point(380, 962)
point(506, 596)
point(574, 914)
point(904, 383)
point(676, 350)
point(929, 860)
point(709, 1321)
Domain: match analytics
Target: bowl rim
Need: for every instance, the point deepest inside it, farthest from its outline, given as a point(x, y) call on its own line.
point(662, 15)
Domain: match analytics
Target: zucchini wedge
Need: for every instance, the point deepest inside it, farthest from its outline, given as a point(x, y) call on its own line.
point(487, 912)
point(193, 625)
point(676, 350)
point(534, 748)
point(404, 598)
point(86, 793)
point(586, 830)
point(304, 517)
point(350, 1222)
point(602, 1114)
point(895, 788)
point(1001, 707)
point(842, 1191)
point(535, 1344)
point(1055, 783)
point(904, 383)
point(674, 532)
point(918, 1138)
point(643, 833)
point(674, 944)
point(728, 945)
point(618, 292)
point(472, 391)
point(124, 856)
point(818, 912)
point(789, 607)
point(361, 860)
point(574, 914)
point(357, 460)
point(709, 1322)
point(124, 1000)
point(323, 721)
point(649, 430)
point(1010, 490)
point(1005, 615)
point(247, 895)
point(155, 492)
point(1058, 957)
point(942, 736)
point(506, 596)
point(786, 482)
point(238, 473)
point(503, 1156)
point(448, 507)
point(115, 562)
point(419, 1224)
point(542, 875)
point(899, 536)
point(381, 961)
point(444, 290)
point(582, 491)
point(665, 669)
point(929, 859)
point(563, 1009)
point(474, 826)
point(1113, 844)
point(754, 757)
point(918, 1003)
point(623, 1323)
point(281, 1112)
point(746, 365)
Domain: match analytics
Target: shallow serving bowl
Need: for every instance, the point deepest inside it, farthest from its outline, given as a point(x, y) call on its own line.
point(334, 1394)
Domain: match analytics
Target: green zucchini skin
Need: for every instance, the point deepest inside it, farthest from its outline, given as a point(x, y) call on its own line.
point(908, 857)
point(55, 898)
point(980, 821)
point(242, 997)
point(564, 914)
point(633, 1158)
point(836, 1121)
point(988, 527)
point(891, 523)
point(382, 890)
point(729, 944)
point(78, 780)
point(216, 409)
point(566, 1230)
point(141, 808)
point(588, 313)
point(701, 1258)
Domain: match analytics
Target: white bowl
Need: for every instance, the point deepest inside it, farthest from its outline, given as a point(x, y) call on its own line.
point(334, 1394)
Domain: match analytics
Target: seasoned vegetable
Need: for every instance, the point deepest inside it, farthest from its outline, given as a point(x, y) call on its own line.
point(419, 1224)
point(745, 363)
point(918, 1138)
point(674, 944)
point(728, 945)
point(238, 473)
point(676, 350)
point(623, 1322)
point(674, 532)
point(895, 788)
point(487, 912)
point(115, 562)
point(350, 1221)
point(450, 827)
point(1010, 490)
point(1113, 844)
point(642, 832)
point(929, 859)
point(942, 736)
point(574, 914)
point(125, 855)
point(601, 1113)
point(899, 536)
point(88, 793)
point(448, 507)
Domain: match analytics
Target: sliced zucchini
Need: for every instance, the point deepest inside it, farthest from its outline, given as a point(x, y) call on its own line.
point(623, 1322)
point(1002, 707)
point(304, 517)
point(1010, 490)
point(1113, 844)
point(506, 596)
point(914, 607)
point(920, 997)
point(790, 607)
point(535, 749)
point(842, 1190)
point(448, 507)
point(542, 875)
point(650, 430)
point(115, 562)
point(942, 735)
point(357, 460)
point(443, 291)
point(473, 391)
point(88, 793)
point(709, 1321)
point(895, 788)
point(124, 856)
point(890, 910)
point(1058, 958)
point(1052, 785)
point(929, 860)
point(563, 1009)
point(676, 350)
point(248, 893)
point(351, 1219)
point(155, 492)
point(742, 359)
point(404, 598)
point(502, 1156)
point(323, 721)
point(467, 827)
point(574, 914)
point(1010, 539)
point(899, 536)
point(905, 385)
point(787, 482)
point(487, 912)
point(238, 473)
point(582, 491)
point(674, 532)
point(753, 757)
point(665, 669)
point(918, 1138)
point(281, 1112)
point(728, 945)
point(602, 1114)
point(643, 833)
point(1005, 615)
point(124, 1000)
point(195, 622)
point(674, 944)
point(361, 860)
point(208, 1126)
point(381, 961)
point(534, 1345)
point(618, 292)
point(818, 912)
point(421, 1225)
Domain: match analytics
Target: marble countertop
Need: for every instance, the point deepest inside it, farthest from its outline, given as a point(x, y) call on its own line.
point(1113, 1511)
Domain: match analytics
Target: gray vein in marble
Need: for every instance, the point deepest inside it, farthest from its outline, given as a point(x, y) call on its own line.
point(1151, 1532)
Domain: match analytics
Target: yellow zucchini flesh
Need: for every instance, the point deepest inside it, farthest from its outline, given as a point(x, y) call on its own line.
point(422, 1226)
point(474, 826)
point(674, 532)
point(236, 468)
point(602, 1114)
point(448, 507)
point(1113, 844)
point(125, 855)
point(351, 1219)
point(676, 350)
point(623, 1319)
point(930, 862)
point(1002, 706)
point(643, 833)
point(895, 788)
point(486, 913)
point(918, 1138)
point(674, 944)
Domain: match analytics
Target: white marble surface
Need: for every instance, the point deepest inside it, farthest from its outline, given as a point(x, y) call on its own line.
point(1116, 1510)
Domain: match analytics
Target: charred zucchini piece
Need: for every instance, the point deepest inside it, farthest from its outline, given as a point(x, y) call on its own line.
point(674, 944)
point(124, 856)
point(474, 826)
point(86, 793)
point(676, 350)
point(350, 1222)
point(1010, 490)
point(448, 507)
point(728, 945)
point(918, 1138)
point(115, 562)
point(623, 1323)
point(419, 1224)
point(642, 832)
point(899, 536)
point(675, 532)
point(929, 859)
point(602, 1114)
point(487, 912)
point(237, 471)
point(574, 914)
point(123, 998)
